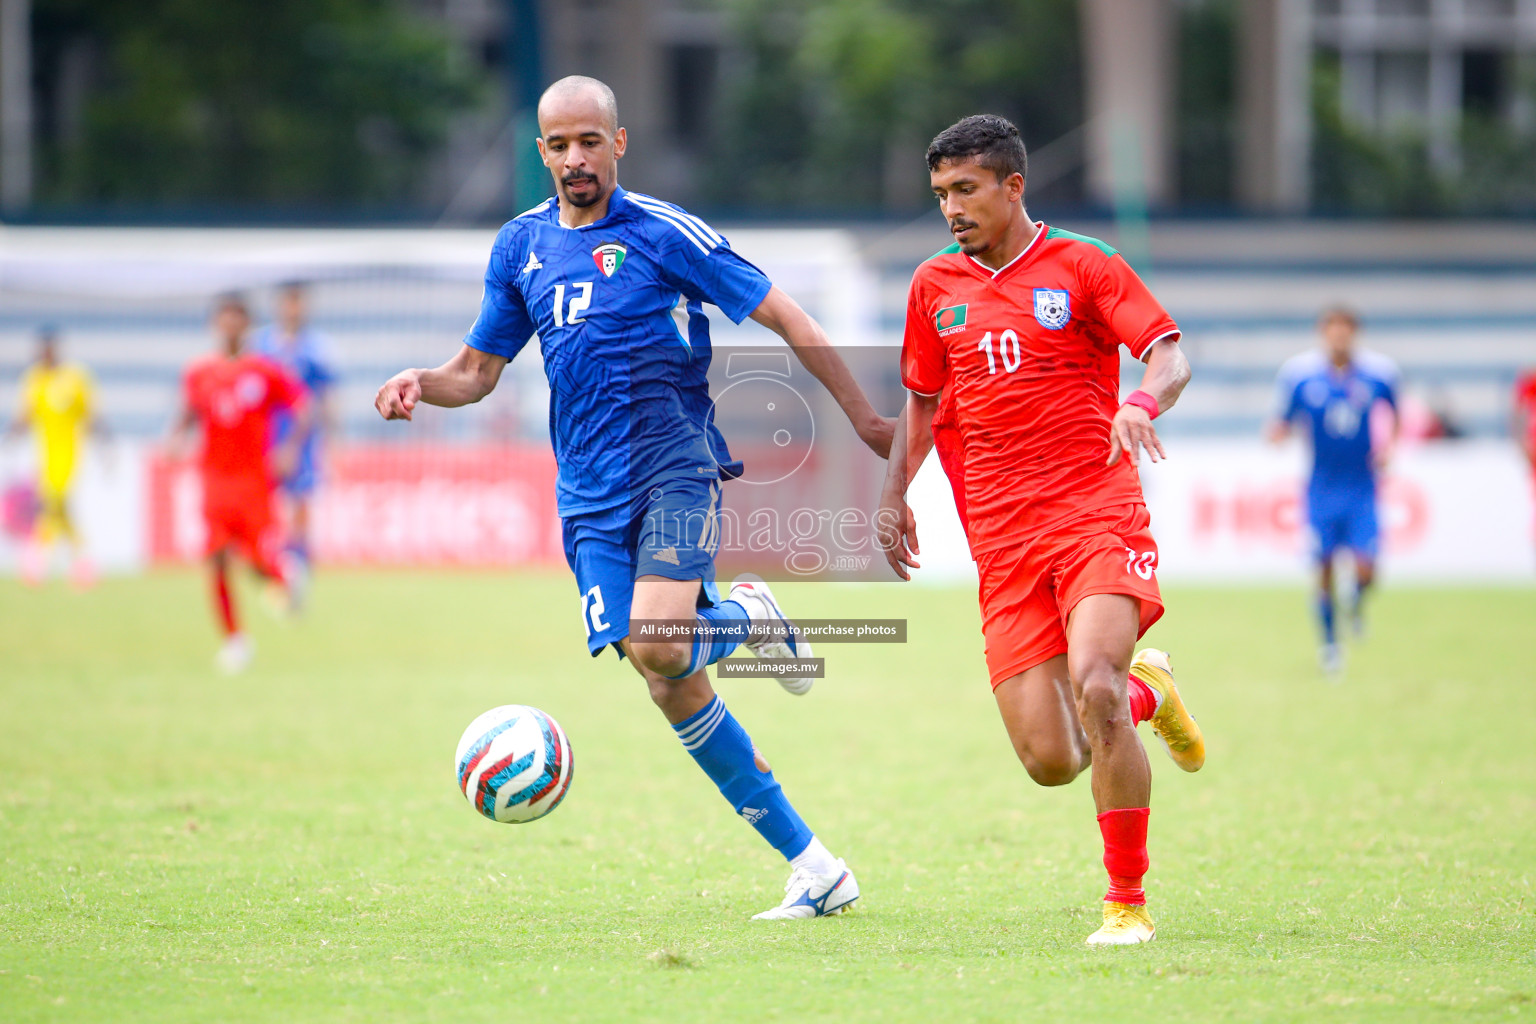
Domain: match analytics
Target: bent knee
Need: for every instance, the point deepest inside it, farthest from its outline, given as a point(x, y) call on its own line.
point(1051, 766)
point(666, 659)
point(1051, 770)
point(1102, 699)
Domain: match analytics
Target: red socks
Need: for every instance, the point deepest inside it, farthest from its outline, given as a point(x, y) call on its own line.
point(1125, 853)
point(223, 603)
point(1143, 700)
point(1125, 830)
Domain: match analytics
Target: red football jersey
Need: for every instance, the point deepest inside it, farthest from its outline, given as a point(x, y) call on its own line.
point(234, 399)
point(1028, 359)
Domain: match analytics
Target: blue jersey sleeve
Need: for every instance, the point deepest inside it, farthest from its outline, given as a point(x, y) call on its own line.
point(1382, 373)
point(503, 326)
point(1387, 390)
point(703, 266)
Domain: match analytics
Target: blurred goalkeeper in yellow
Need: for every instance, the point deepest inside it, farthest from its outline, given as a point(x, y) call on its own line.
point(57, 406)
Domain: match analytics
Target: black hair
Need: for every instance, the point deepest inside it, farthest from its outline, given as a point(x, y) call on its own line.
point(1339, 311)
point(231, 300)
point(992, 141)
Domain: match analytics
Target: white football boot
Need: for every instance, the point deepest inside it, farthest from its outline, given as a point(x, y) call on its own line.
point(776, 641)
point(235, 654)
point(1330, 658)
point(808, 894)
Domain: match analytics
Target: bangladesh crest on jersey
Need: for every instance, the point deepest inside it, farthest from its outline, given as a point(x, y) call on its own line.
point(1053, 308)
point(609, 257)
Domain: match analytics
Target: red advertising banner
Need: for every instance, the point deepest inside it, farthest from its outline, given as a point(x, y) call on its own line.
point(434, 504)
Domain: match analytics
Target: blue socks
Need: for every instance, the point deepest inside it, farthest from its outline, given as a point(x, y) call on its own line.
point(1325, 616)
point(724, 629)
point(724, 750)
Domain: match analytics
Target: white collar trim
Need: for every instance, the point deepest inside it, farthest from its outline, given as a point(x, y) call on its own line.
point(1039, 234)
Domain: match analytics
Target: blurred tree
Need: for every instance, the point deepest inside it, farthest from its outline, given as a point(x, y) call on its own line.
point(1498, 148)
point(832, 105)
point(1360, 171)
point(1357, 171)
point(272, 102)
point(1207, 104)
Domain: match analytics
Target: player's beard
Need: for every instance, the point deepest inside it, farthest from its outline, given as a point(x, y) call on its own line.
point(582, 201)
point(972, 247)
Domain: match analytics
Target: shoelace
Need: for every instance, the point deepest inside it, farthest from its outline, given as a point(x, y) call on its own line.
point(1123, 915)
point(804, 878)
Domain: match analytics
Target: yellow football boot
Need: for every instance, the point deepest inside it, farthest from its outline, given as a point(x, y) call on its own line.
point(1124, 925)
point(1175, 727)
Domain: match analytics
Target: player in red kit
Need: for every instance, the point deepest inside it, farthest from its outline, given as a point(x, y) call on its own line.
point(1523, 418)
point(233, 396)
point(1011, 360)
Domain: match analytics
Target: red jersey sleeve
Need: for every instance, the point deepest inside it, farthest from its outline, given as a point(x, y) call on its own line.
point(1127, 307)
point(924, 363)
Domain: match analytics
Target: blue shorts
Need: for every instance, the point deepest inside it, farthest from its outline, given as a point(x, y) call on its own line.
point(671, 530)
point(1343, 523)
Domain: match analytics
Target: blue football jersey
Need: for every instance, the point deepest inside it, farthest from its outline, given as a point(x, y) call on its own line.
point(307, 355)
point(629, 398)
point(1333, 407)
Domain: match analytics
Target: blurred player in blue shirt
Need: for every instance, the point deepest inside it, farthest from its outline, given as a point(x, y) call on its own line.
point(1328, 395)
point(597, 273)
point(305, 353)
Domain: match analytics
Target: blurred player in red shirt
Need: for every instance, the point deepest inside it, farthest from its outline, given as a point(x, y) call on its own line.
point(233, 395)
point(1011, 360)
point(1523, 418)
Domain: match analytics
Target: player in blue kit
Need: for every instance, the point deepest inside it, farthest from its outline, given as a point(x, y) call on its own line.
point(597, 272)
point(1329, 393)
point(296, 346)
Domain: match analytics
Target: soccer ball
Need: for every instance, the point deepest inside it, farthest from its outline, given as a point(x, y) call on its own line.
point(514, 764)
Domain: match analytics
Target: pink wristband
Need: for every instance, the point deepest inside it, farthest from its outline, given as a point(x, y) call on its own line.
point(1141, 399)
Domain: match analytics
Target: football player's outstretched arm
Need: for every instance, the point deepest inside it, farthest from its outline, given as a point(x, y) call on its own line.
point(1520, 428)
point(1167, 373)
point(179, 444)
point(1381, 455)
point(783, 315)
point(462, 380)
point(895, 525)
point(23, 421)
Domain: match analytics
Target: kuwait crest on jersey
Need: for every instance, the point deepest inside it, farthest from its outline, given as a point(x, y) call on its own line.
point(609, 257)
point(1053, 308)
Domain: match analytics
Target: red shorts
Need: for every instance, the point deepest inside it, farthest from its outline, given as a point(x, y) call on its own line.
point(239, 513)
point(1029, 590)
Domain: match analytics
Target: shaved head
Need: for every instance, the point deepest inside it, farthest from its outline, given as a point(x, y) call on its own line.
point(579, 90)
point(580, 141)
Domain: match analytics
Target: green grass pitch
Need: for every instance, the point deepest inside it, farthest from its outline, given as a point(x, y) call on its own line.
point(289, 845)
